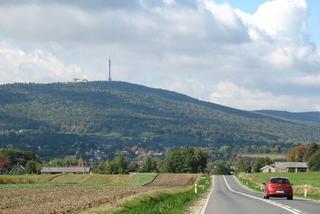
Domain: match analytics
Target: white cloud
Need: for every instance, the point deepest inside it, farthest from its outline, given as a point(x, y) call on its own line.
point(308, 80)
point(230, 94)
point(35, 66)
point(281, 58)
point(168, 2)
point(223, 13)
point(280, 19)
point(182, 45)
point(283, 25)
point(175, 84)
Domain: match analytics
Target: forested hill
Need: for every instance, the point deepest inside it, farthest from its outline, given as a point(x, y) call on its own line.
point(313, 117)
point(61, 118)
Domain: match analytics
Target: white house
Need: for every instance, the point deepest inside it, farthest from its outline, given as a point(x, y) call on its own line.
point(286, 167)
point(268, 169)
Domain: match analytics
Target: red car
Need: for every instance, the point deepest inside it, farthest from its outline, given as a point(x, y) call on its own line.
point(278, 187)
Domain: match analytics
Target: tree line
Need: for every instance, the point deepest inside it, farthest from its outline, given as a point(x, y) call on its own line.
point(18, 162)
point(309, 153)
point(179, 160)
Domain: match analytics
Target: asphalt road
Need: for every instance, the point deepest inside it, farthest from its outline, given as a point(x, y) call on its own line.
point(229, 197)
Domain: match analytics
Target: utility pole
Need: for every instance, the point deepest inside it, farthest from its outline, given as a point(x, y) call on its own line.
point(82, 164)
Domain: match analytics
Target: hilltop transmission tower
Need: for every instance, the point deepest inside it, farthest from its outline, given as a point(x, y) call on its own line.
point(109, 79)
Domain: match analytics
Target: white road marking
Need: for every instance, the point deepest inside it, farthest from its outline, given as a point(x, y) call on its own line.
point(291, 210)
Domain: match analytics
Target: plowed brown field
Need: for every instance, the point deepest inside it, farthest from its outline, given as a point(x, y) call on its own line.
point(75, 198)
point(61, 200)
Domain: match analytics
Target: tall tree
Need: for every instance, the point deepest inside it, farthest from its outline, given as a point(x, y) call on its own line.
point(120, 165)
point(32, 167)
point(314, 162)
point(244, 167)
point(311, 149)
point(149, 165)
point(259, 163)
point(296, 154)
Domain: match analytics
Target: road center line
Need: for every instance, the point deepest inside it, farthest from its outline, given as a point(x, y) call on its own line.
point(291, 210)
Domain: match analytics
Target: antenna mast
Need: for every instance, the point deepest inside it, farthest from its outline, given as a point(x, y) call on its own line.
point(109, 79)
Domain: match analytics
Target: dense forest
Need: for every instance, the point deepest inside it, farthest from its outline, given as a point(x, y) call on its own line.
point(312, 117)
point(99, 119)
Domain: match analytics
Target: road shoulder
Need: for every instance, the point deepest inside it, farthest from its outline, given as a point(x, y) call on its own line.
point(201, 205)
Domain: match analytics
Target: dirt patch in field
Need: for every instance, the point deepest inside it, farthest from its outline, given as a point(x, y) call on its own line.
point(172, 180)
point(73, 199)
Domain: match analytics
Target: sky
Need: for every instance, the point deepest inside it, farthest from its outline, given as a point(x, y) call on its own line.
point(243, 54)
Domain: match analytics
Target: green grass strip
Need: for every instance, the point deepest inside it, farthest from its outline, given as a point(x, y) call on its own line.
point(253, 180)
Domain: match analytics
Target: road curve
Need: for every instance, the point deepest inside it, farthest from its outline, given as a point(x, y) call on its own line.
point(228, 197)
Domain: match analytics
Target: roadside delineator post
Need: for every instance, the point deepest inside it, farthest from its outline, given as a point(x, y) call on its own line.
point(195, 188)
point(305, 190)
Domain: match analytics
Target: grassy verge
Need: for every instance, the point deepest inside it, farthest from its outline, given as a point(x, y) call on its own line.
point(247, 181)
point(312, 179)
point(162, 201)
